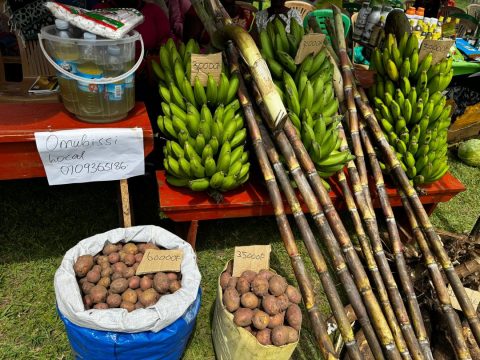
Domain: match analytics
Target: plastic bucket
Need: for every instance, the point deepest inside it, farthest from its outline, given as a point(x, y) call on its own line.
point(96, 77)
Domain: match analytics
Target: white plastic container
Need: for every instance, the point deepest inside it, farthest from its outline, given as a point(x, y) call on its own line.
point(93, 75)
point(67, 56)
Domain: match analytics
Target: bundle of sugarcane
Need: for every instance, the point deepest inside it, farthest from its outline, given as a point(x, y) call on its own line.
point(409, 104)
point(415, 209)
point(205, 126)
point(307, 91)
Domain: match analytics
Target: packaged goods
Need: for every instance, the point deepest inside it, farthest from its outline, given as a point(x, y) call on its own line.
point(110, 23)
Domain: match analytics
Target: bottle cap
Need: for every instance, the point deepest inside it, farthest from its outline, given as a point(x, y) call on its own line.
point(61, 24)
point(89, 36)
point(113, 50)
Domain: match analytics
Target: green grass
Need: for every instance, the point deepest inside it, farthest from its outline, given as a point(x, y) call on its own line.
point(40, 223)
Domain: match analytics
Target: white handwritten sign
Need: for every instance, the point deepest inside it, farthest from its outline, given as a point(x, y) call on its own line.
point(204, 65)
point(310, 44)
point(160, 260)
point(86, 155)
point(256, 258)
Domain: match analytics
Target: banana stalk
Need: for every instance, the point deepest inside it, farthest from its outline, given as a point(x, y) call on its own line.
point(318, 323)
point(325, 227)
point(434, 241)
point(260, 72)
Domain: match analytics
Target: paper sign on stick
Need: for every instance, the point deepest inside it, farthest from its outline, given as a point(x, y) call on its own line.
point(311, 43)
point(438, 48)
point(85, 155)
point(473, 295)
point(160, 260)
point(256, 258)
point(203, 65)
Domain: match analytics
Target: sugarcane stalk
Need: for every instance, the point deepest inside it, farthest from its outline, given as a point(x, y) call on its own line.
point(360, 278)
point(309, 239)
point(318, 322)
point(352, 110)
point(437, 279)
point(397, 247)
point(312, 247)
point(434, 241)
point(454, 326)
point(416, 346)
point(370, 257)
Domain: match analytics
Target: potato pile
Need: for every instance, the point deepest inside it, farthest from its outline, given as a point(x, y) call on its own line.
point(263, 304)
point(107, 280)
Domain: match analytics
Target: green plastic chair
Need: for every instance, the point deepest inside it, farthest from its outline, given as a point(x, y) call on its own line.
point(321, 16)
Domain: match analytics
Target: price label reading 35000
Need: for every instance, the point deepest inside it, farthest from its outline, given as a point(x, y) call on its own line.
point(254, 258)
point(249, 255)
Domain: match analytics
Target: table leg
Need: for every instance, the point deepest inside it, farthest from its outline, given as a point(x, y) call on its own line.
point(429, 208)
point(187, 231)
point(124, 208)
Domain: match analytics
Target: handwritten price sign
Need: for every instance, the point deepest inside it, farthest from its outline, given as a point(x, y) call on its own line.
point(77, 156)
point(438, 48)
point(204, 65)
point(310, 44)
point(256, 258)
point(160, 260)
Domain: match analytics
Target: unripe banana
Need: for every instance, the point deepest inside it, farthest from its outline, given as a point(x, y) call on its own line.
point(212, 91)
point(232, 89)
point(199, 184)
point(217, 179)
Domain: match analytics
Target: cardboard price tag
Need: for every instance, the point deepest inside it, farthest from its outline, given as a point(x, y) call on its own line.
point(160, 260)
point(256, 258)
point(204, 65)
point(311, 43)
point(473, 295)
point(438, 48)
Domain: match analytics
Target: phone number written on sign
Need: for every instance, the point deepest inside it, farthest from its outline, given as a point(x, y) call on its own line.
point(93, 167)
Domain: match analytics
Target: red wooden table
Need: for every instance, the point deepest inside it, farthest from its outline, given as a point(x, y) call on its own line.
point(19, 158)
point(184, 205)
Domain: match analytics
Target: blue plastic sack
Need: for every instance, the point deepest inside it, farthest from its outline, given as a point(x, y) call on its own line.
point(167, 344)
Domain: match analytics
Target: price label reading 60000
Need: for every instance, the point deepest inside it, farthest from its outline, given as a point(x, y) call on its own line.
point(254, 258)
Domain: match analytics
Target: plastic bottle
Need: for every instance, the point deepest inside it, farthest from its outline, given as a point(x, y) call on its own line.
point(385, 11)
point(90, 95)
point(420, 13)
point(373, 18)
point(361, 21)
point(412, 19)
point(376, 31)
point(114, 96)
point(67, 55)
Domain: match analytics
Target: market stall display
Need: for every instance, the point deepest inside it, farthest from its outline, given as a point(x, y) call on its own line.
point(311, 127)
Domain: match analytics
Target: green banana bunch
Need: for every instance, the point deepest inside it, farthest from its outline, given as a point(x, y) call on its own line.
point(204, 125)
point(410, 107)
point(308, 94)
